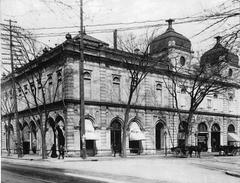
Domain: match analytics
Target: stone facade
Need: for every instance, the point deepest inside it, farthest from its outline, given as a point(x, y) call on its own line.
point(154, 124)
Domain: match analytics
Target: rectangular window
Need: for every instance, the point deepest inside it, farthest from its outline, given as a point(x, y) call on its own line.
point(158, 93)
point(209, 103)
point(87, 84)
point(116, 88)
point(87, 88)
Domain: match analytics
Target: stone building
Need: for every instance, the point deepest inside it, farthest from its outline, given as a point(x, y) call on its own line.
point(154, 124)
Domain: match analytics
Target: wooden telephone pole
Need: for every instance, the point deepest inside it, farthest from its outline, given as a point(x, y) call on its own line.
point(19, 149)
point(81, 88)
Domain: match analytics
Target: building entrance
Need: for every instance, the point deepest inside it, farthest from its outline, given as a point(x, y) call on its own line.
point(202, 136)
point(215, 137)
point(26, 138)
point(159, 136)
point(116, 136)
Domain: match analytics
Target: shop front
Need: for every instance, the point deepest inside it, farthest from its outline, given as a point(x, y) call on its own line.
point(135, 138)
point(90, 137)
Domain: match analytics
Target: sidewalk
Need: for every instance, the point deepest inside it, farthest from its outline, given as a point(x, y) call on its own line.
point(144, 168)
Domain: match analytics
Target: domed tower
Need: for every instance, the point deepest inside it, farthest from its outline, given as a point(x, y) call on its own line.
point(219, 54)
point(172, 43)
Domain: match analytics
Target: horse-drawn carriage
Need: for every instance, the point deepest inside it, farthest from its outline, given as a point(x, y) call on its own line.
point(229, 150)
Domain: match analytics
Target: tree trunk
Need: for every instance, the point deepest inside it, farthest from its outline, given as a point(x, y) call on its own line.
point(124, 139)
point(44, 153)
point(8, 141)
point(189, 122)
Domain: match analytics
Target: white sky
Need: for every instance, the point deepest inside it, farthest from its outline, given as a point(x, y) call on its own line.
point(53, 13)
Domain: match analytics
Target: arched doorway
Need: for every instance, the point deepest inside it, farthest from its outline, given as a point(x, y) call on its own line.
point(9, 135)
point(215, 137)
point(203, 136)
point(159, 137)
point(26, 138)
point(116, 131)
point(33, 137)
point(231, 128)
point(182, 133)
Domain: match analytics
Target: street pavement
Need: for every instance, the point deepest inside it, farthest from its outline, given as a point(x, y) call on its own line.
point(208, 169)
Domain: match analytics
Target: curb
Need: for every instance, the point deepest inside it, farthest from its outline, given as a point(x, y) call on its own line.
point(235, 174)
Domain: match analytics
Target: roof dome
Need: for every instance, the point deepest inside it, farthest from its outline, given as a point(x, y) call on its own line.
point(170, 39)
point(219, 53)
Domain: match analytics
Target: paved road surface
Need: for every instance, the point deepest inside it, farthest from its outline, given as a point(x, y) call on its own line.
point(12, 173)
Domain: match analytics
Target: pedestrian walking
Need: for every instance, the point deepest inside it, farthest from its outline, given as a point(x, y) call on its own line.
point(114, 149)
point(199, 149)
point(61, 152)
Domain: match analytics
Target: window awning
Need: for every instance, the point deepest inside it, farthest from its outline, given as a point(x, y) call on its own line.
point(135, 132)
point(137, 136)
point(91, 136)
point(233, 137)
point(90, 133)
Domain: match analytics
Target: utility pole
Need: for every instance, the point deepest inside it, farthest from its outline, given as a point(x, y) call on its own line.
point(81, 88)
point(19, 152)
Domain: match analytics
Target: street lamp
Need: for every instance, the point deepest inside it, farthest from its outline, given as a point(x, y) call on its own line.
point(165, 137)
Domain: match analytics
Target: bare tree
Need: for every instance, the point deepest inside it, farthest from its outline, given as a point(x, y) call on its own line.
point(197, 80)
point(35, 90)
point(7, 109)
point(138, 63)
point(224, 20)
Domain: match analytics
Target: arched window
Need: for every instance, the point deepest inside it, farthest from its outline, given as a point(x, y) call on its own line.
point(116, 80)
point(231, 129)
point(158, 86)
point(215, 128)
point(182, 61)
point(202, 127)
point(87, 75)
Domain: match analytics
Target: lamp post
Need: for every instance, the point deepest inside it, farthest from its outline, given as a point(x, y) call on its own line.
point(165, 138)
point(195, 134)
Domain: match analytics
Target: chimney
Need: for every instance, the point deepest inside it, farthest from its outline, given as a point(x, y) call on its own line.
point(115, 39)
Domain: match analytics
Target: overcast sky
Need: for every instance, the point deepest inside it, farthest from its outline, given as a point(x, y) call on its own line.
point(56, 13)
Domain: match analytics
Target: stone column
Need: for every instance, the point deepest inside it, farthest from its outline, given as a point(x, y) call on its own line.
point(209, 142)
